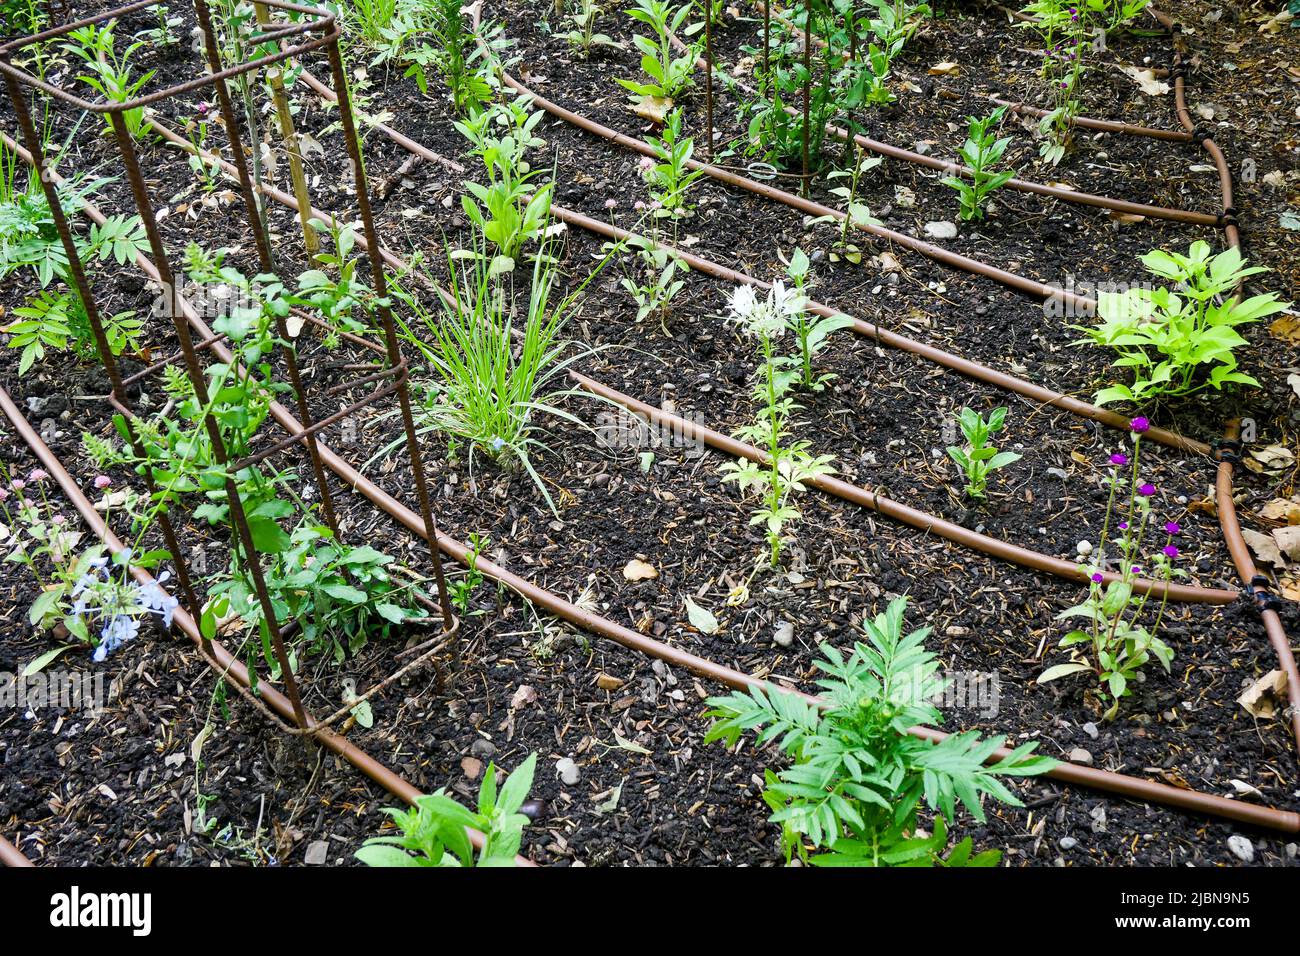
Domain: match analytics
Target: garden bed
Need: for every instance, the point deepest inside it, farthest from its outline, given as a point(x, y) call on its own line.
point(649, 790)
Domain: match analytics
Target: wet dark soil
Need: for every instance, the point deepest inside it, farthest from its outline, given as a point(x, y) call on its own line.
point(122, 787)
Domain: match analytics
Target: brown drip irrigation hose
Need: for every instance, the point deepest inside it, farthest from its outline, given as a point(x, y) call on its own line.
point(1105, 126)
point(1227, 220)
point(897, 511)
point(943, 256)
point(1019, 185)
point(1135, 788)
point(1257, 585)
point(222, 661)
point(895, 340)
point(1120, 784)
point(913, 518)
point(10, 855)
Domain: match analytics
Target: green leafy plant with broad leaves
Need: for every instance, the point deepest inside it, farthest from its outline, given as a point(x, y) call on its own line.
point(109, 73)
point(978, 459)
point(981, 152)
point(864, 82)
point(338, 289)
point(463, 588)
point(583, 37)
point(341, 595)
point(1125, 11)
point(1181, 339)
point(856, 214)
point(1118, 641)
point(490, 377)
point(668, 175)
point(858, 779)
point(175, 448)
point(20, 17)
point(896, 21)
point(1065, 28)
point(42, 323)
point(434, 830)
point(811, 331)
point(776, 133)
point(468, 67)
point(789, 466)
point(654, 282)
point(511, 209)
point(371, 17)
point(670, 76)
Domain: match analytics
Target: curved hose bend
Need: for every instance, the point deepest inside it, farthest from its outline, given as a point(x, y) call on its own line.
point(1257, 587)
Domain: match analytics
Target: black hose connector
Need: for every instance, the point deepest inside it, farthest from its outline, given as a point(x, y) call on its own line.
point(1260, 591)
point(1226, 449)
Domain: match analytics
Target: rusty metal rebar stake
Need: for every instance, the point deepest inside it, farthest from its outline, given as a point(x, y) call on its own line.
point(315, 29)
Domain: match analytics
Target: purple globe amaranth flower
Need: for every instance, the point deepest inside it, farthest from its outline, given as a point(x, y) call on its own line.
point(1118, 459)
point(1170, 551)
point(1147, 490)
point(1098, 577)
point(1172, 527)
point(1137, 569)
point(1139, 425)
point(1123, 526)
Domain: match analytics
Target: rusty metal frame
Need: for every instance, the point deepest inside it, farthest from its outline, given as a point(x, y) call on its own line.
point(317, 29)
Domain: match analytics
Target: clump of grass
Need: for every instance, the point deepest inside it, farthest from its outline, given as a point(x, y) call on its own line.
point(494, 369)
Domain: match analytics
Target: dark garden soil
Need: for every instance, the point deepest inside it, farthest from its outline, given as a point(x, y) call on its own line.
point(123, 787)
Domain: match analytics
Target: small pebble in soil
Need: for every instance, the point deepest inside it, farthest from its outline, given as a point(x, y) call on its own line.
point(941, 229)
point(1090, 729)
point(568, 771)
point(483, 749)
point(533, 809)
point(1067, 843)
point(1241, 848)
point(783, 636)
point(317, 853)
point(1079, 755)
